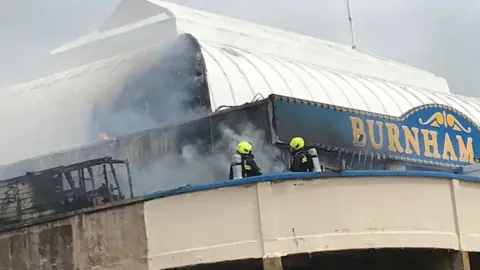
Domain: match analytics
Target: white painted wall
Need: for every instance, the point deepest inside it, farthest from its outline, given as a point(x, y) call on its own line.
point(467, 196)
point(279, 218)
point(269, 219)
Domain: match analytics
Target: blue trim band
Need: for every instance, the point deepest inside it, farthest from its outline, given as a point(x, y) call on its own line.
point(305, 176)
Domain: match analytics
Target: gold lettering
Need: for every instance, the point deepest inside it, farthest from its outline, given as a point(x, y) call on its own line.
point(465, 152)
point(430, 143)
point(411, 140)
point(358, 131)
point(393, 138)
point(371, 134)
point(448, 149)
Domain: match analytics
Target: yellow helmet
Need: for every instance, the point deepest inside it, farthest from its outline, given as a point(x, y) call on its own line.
point(244, 147)
point(297, 143)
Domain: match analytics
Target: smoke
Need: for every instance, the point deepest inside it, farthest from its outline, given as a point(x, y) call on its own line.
point(192, 166)
point(162, 89)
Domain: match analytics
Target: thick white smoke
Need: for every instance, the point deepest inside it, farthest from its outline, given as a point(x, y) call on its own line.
point(194, 167)
point(155, 97)
point(155, 94)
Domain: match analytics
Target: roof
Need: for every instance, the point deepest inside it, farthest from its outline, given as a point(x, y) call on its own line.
point(235, 76)
point(254, 38)
point(66, 168)
point(242, 59)
point(55, 113)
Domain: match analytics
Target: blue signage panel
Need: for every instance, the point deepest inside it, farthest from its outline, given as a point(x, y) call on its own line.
point(432, 134)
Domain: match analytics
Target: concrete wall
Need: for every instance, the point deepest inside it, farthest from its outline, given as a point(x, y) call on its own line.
point(299, 216)
point(112, 238)
point(467, 198)
point(256, 220)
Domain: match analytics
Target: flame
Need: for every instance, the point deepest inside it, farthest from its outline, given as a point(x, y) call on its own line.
point(104, 136)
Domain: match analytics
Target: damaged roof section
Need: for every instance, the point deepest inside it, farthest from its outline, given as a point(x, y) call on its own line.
point(46, 193)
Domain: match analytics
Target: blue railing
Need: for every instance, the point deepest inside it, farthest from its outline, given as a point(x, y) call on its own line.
point(305, 176)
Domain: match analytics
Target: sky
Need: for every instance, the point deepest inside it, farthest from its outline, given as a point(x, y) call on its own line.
point(436, 35)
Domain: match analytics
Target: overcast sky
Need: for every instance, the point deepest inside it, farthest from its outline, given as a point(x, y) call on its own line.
point(441, 36)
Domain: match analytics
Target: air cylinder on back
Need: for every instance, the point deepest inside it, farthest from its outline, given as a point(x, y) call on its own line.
point(237, 166)
point(316, 162)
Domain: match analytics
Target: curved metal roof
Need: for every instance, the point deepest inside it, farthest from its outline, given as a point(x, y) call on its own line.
point(252, 37)
point(266, 40)
point(235, 76)
point(55, 113)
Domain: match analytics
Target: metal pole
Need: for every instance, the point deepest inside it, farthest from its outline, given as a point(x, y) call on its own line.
point(114, 174)
point(105, 177)
point(129, 174)
point(350, 19)
point(92, 177)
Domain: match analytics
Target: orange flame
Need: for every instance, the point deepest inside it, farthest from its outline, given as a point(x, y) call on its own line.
point(104, 136)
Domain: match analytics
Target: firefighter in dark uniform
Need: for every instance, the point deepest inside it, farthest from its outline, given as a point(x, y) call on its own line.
point(249, 166)
point(301, 161)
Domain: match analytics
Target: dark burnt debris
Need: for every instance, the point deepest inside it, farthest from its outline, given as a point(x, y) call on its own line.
point(50, 192)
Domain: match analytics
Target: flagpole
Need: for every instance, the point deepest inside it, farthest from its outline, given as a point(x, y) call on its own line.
point(350, 19)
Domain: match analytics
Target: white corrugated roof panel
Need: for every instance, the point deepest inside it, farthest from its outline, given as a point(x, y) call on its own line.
point(235, 76)
point(254, 38)
point(300, 48)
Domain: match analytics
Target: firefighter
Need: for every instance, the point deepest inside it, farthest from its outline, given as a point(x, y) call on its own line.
point(301, 161)
point(249, 166)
